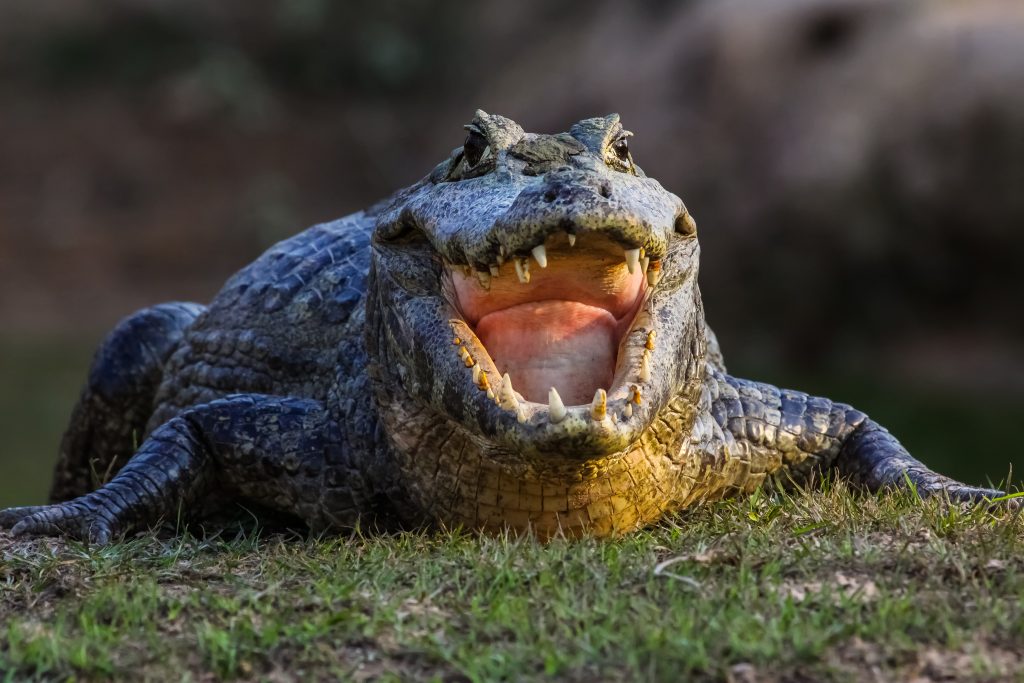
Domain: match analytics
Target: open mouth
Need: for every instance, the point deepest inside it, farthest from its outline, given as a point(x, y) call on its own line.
point(553, 326)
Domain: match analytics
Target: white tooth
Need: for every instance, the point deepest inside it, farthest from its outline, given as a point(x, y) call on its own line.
point(520, 415)
point(476, 374)
point(502, 251)
point(632, 258)
point(541, 255)
point(523, 270)
point(507, 395)
point(572, 239)
point(628, 410)
point(495, 270)
point(599, 407)
point(484, 278)
point(645, 367)
point(643, 263)
point(653, 277)
point(490, 394)
point(556, 409)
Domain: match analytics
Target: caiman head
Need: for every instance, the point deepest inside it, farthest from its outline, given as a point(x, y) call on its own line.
point(535, 331)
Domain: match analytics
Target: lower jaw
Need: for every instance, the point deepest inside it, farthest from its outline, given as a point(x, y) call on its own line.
point(604, 496)
point(562, 344)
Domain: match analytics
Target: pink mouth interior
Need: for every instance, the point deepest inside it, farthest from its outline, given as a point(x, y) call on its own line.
point(563, 328)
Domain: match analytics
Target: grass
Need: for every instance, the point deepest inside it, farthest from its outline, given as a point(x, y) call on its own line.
point(814, 586)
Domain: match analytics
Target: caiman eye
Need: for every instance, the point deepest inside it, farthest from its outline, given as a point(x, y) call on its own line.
point(474, 147)
point(620, 157)
point(621, 149)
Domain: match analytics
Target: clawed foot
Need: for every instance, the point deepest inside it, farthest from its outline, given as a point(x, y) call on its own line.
point(956, 492)
point(84, 519)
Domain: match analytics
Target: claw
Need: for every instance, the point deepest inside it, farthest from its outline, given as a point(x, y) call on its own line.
point(73, 519)
point(11, 517)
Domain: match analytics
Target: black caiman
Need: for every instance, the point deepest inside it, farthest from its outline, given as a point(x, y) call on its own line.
point(516, 341)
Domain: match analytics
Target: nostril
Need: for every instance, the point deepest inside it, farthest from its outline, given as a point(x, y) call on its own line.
point(605, 190)
point(550, 196)
point(685, 225)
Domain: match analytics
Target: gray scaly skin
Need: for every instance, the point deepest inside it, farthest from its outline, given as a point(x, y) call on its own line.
point(335, 379)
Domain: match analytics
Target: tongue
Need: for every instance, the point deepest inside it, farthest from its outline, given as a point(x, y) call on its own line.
point(562, 344)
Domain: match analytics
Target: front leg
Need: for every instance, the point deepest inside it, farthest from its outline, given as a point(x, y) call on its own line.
point(282, 453)
point(797, 435)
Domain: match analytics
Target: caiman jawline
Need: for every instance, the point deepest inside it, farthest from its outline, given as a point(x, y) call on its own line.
point(562, 328)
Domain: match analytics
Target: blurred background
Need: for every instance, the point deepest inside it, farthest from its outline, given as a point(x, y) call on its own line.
point(856, 168)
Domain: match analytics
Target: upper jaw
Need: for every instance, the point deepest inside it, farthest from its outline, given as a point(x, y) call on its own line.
point(482, 233)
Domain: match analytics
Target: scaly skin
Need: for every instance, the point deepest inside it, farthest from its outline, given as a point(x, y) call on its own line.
point(335, 379)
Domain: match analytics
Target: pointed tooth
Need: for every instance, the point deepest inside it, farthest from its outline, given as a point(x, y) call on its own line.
point(643, 252)
point(466, 357)
point(523, 270)
point(476, 374)
point(635, 395)
point(654, 273)
point(599, 406)
point(572, 239)
point(541, 254)
point(457, 341)
point(649, 344)
point(485, 279)
point(632, 258)
point(490, 393)
point(495, 271)
point(645, 366)
point(556, 409)
point(520, 415)
point(643, 263)
point(507, 395)
point(484, 385)
point(628, 410)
